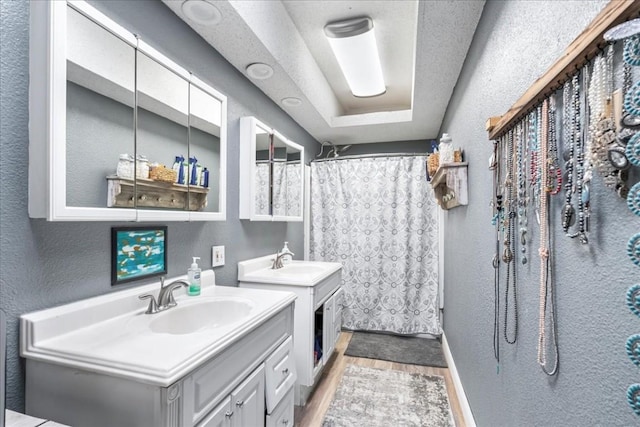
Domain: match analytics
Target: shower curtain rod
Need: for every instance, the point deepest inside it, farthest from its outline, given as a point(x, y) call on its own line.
point(366, 156)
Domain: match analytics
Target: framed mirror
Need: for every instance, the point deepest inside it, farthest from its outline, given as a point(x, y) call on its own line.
point(100, 100)
point(108, 118)
point(271, 180)
point(207, 145)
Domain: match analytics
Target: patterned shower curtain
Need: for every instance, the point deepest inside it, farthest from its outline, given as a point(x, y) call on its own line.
point(378, 217)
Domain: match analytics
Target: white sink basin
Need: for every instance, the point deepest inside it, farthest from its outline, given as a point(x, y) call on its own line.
point(201, 315)
point(303, 268)
point(296, 273)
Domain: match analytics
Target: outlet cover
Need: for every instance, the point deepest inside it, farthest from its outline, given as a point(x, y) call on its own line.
point(217, 256)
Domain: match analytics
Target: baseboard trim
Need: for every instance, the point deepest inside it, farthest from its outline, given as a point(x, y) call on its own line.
point(462, 397)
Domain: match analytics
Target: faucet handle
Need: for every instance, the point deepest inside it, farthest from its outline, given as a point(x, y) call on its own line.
point(153, 305)
point(161, 282)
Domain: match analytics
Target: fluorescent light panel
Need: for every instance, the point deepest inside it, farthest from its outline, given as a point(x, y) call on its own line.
point(354, 44)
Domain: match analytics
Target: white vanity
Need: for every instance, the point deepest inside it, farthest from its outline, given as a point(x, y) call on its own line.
point(223, 358)
point(318, 310)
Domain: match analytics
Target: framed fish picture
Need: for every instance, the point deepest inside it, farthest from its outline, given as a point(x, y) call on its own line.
point(138, 253)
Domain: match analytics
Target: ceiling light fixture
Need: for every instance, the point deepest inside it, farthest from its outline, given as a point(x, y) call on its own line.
point(354, 45)
point(202, 12)
point(259, 71)
point(291, 102)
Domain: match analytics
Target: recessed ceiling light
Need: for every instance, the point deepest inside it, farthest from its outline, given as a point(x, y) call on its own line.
point(259, 71)
point(291, 102)
point(202, 12)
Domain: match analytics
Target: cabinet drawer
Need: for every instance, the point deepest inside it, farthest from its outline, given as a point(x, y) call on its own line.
point(324, 289)
point(281, 373)
point(282, 415)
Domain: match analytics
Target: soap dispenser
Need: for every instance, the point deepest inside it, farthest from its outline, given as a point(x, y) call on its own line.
point(193, 274)
point(286, 258)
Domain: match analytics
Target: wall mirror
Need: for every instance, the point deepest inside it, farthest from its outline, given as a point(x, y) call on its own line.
point(130, 134)
point(271, 180)
point(100, 101)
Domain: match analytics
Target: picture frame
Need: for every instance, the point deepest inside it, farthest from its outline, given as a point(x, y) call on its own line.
point(138, 252)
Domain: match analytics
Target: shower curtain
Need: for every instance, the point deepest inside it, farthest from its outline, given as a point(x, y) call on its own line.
point(378, 217)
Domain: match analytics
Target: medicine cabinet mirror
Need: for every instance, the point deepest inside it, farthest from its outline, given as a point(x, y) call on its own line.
point(118, 131)
point(271, 174)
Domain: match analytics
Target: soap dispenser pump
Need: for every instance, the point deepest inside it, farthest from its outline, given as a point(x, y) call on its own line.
point(286, 258)
point(193, 274)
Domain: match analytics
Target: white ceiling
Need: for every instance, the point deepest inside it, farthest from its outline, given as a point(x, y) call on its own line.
point(422, 45)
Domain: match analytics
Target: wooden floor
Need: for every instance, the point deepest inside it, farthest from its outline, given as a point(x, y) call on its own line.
point(313, 412)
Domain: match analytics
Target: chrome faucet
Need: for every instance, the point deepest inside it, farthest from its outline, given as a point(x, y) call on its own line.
point(277, 262)
point(165, 296)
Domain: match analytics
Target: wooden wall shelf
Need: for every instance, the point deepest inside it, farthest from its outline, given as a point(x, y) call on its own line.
point(584, 48)
point(450, 185)
point(146, 193)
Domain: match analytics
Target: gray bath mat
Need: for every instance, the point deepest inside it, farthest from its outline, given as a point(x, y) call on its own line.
point(394, 348)
point(382, 398)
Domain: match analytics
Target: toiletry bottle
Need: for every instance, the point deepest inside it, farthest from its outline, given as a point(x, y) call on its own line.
point(286, 258)
point(193, 274)
point(193, 162)
point(177, 166)
point(204, 178)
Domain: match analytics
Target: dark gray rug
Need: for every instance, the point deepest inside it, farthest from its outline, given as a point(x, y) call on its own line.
point(394, 348)
point(383, 398)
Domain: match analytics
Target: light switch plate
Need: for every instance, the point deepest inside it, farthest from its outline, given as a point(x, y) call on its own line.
point(217, 256)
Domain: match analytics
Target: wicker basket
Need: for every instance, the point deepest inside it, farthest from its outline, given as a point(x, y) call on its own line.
point(432, 163)
point(161, 173)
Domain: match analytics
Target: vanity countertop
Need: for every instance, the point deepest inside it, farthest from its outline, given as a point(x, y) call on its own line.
point(293, 273)
point(111, 334)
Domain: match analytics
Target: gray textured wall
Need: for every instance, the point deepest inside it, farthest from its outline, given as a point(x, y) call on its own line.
point(515, 43)
point(46, 264)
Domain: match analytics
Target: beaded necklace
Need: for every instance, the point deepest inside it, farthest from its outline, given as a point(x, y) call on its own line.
point(546, 297)
point(508, 255)
point(553, 182)
point(522, 144)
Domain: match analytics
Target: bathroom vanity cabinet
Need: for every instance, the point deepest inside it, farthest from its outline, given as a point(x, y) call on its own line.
point(240, 376)
point(318, 312)
point(104, 108)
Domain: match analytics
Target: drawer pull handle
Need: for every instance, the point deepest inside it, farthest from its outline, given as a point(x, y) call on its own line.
point(285, 422)
point(285, 371)
point(228, 414)
point(240, 403)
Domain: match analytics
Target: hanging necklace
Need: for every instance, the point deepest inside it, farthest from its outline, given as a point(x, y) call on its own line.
point(508, 255)
point(568, 117)
point(546, 282)
point(494, 165)
point(522, 144)
point(553, 182)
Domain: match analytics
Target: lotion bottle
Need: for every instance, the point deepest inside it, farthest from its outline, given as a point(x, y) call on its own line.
point(286, 258)
point(193, 274)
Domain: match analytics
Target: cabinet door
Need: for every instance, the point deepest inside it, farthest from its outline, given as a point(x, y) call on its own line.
point(220, 416)
point(80, 110)
point(328, 342)
point(337, 314)
point(207, 144)
point(247, 401)
point(162, 134)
